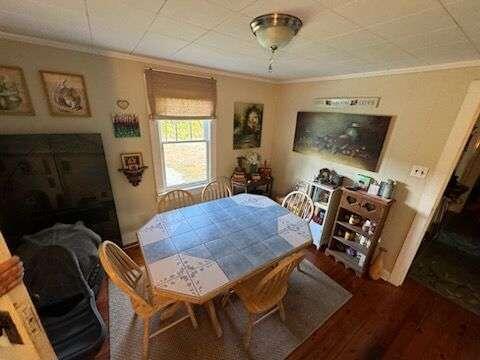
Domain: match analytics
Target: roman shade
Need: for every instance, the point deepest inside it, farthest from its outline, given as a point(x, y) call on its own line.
point(175, 96)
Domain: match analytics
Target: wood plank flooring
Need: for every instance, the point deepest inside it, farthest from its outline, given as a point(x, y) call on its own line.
point(381, 321)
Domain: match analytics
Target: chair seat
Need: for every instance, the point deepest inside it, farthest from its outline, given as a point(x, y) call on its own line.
point(246, 293)
point(157, 302)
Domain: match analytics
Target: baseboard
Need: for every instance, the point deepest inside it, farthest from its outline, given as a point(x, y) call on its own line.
point(385, 275)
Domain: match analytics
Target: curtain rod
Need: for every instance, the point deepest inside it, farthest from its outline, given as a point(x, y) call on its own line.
point(179, 73)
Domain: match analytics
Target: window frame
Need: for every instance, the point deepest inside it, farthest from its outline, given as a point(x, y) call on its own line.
point(158, 154)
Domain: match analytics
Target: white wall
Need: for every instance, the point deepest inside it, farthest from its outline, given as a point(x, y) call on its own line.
point(424, 106)
point(107, 80)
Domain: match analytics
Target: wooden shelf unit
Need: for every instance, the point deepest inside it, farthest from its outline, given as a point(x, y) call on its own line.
point(326, 199)
point(367, 207)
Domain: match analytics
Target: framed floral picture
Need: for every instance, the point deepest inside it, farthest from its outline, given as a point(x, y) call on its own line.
point(66, 94)
point(14, 95)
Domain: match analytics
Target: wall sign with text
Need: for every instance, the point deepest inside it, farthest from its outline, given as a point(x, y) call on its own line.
point(347, 102)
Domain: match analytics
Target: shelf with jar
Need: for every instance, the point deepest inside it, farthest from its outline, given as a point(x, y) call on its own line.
point(357, 229)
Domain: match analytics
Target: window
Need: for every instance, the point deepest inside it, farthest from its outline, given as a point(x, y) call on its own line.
point(185, 151)
point(182, 109)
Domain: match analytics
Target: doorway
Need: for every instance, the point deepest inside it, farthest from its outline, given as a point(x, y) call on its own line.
point(448, 260)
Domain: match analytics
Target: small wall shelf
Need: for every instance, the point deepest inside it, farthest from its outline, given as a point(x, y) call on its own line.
point(134, 176)
point(356, 251)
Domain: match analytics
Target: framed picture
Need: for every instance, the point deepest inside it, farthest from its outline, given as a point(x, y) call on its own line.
point(66, 94)
point(352, 139)
point(132, 161)
point(247, 125)
point(14, 95)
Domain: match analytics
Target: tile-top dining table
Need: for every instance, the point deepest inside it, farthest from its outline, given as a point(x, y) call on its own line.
point(197, 252)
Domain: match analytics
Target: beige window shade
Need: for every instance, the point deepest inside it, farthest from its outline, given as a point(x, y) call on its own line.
point(175, 96)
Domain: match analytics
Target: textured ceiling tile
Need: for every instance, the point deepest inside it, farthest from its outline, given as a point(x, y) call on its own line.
point(237, 25)
point(304, 9)
point(327, 24)
point(425, 21)
point(370, 12)
point(160, 46)
point(234, 5)
point(433, 38)
point(176, 29)
point(196, 12)
point(354, 40)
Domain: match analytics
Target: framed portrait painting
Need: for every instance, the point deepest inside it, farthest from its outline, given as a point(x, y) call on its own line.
point(66, 94)
point(247, 125)
point(14, 95)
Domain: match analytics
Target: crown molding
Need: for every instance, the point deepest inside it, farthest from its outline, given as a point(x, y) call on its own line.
point(211, 72)
point(206, 71)
point(407, 70)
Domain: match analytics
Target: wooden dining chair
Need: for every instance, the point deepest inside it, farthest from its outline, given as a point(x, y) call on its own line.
point(133, 280)
point(300, 204)
point(174, 199)
point(263, 293)
point(216, 189)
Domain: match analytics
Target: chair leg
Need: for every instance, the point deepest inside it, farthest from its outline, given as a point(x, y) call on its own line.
point(226, 298)
point(281, 310)
point(192, 315)
point(248, 332)
point(146, 337)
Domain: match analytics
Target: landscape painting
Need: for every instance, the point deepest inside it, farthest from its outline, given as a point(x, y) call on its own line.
point(352, 139)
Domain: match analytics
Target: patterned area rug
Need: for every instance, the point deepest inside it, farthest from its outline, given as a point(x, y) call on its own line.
point(311, 299)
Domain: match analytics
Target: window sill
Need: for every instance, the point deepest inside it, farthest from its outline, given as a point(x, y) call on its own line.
point(194, 189)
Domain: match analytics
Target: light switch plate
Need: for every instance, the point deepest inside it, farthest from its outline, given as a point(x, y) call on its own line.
point(419, 171)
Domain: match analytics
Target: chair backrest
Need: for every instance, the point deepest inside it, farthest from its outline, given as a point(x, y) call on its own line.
point(273, 286)
point(124, 273)
point(174, 199)
point(300, 204)
point(216, 189)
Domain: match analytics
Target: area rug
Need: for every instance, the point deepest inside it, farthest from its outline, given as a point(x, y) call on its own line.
point(311, 299)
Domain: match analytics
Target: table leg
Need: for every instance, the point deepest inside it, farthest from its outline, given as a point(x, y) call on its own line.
point(213, 318)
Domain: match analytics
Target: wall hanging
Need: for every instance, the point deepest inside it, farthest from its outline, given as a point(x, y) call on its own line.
point(352, 139)
point(14, 95)
point(66, 94)
point(133, 167)
point(125, 125)
point(347, 102)
point(247, 125)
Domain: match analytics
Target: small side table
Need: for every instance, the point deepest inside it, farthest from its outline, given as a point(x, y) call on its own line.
point(250, 186)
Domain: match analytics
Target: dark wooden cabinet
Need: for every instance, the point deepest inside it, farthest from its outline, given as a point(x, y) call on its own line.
point(50, 178)
point(353, 243)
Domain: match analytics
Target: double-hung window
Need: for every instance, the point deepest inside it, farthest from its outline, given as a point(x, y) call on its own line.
point(182, 109)
point(185, 152)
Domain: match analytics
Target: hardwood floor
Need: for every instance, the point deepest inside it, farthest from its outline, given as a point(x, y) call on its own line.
point(381, 321)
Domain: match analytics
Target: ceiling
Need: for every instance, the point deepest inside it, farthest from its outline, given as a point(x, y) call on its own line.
point(338, 36)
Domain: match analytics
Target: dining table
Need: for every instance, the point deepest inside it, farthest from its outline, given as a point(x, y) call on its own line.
point(197, 252)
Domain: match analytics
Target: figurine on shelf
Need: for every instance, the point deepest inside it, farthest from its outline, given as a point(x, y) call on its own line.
point(328, 177)
point(253, 159)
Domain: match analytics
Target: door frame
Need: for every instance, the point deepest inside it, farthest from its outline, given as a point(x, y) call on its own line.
point(437, 182)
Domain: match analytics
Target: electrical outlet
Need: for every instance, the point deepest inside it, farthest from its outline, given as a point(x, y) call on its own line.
point(419, 171)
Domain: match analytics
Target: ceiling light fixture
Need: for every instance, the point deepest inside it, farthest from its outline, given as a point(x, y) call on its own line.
point(274, 31)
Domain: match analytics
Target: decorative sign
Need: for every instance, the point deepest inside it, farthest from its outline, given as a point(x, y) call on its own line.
point(347, 102)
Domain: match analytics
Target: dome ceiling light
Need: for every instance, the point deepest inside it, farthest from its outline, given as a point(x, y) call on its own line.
point(274, 31)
